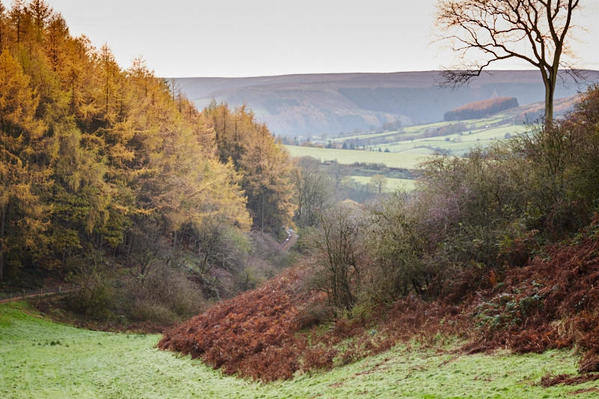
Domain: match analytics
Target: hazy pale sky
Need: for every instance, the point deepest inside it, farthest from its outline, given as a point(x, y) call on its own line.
point(270, 37)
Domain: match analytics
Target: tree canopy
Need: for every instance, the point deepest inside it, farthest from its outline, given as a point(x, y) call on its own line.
point(94, 157)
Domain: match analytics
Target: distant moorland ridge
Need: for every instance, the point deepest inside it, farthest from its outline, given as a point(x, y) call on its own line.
point(331, 104)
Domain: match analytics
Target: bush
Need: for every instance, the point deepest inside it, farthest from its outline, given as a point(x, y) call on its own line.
point(474, 216)
point(94, 296)
point(399, 262)
point(314, 314)
point(93, 300)
point(163, 297)
point(340, 255)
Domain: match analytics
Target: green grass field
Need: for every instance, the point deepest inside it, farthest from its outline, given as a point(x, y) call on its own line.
point(457, 144)
point(349, 157)
point(42, 359)
point(478, 133)
point(408, 150)
point(471, 124)
point(392, 183)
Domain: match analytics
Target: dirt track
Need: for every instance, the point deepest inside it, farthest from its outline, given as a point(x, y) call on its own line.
point(290, 240)
point(41, 293)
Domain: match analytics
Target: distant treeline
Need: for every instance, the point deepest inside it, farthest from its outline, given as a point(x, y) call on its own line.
point(481, 109)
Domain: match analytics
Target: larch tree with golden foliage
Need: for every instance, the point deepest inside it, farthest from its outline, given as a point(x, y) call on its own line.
point(97, 161)
point(265, 166)
point(22, 213)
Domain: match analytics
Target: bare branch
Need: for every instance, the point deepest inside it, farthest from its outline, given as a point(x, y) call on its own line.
point(578, 76)
point(497, 29)
point(454, 78)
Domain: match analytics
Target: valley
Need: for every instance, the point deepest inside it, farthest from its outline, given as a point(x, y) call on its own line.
point(42, 359)
point(427, 234)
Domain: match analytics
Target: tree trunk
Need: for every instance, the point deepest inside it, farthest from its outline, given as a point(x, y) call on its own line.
point(2, 246)
point(549, 97)
point(262, 213)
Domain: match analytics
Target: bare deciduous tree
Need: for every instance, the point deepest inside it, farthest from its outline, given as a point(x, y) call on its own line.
point(379, 183)
point(340, 254)
point(531, 30)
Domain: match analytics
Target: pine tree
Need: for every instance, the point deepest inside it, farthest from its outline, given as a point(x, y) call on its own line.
point(96, 159)
point(263, 163)
point(22, 220)
point(3, 27)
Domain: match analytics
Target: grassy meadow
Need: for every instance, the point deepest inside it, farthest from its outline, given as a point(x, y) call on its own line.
point(410, 146)
point(43, 359)
point(471, 125)
point(456, 143)
point(349, 157)
point(392, 184)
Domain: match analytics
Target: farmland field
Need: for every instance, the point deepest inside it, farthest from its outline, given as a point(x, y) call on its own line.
point(456, 144)
point(392, 184)
point(42, 359)
point(349, 157)
point(408, 147)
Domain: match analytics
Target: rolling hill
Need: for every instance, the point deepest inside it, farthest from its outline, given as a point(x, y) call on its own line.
point(481, 109)
point(334, 104)
point(42, 359)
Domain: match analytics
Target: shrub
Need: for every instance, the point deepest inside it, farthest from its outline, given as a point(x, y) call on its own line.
point(399, 264)
point(164, 296)
point(314, 314)
point(480, 214)
point(93, 300)
point(318, 358)
point(340, 255)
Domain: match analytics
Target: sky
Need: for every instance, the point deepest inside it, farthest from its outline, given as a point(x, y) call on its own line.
point(233, 38)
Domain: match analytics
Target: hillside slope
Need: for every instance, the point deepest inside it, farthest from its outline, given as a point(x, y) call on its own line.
point(306, 105)
point(481, 109)
point(41, 359)
point(273, 332)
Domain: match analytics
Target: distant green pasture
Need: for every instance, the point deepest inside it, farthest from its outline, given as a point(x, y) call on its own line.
point(392, 183)
point(477, 133)
point(348, 157)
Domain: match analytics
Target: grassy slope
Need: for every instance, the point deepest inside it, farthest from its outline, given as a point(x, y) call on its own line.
point(479, 132)
point(471, 124)
point(88, 364)
point(348, 157)
point(457, 144)
point(392, 183)
point(409, 153)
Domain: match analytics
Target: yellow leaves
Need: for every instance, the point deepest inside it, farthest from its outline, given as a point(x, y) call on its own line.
point(98, 211)
point(120, 148)
point(18, 102)
point(119, 153)
point(194, 189)
point(264, 166)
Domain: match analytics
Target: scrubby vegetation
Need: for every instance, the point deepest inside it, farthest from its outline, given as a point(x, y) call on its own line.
point(251, 334)
point(487, 212)
point(498, 248)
